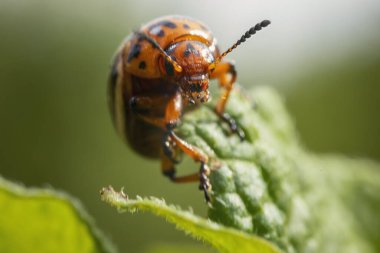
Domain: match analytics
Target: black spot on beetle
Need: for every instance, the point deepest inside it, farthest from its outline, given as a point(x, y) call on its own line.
point(135, 52)
point(186, 53)
point(186, 26)
point(142, 65)
point(161, 33)
point(190, 47)
point(168, 24)
point(190, 50)
point(156, 29)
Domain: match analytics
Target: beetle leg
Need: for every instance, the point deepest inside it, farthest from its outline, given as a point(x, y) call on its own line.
point(189, 149)
point(147, 106)
point(158, 122)
point(170, 149)
point(168, 169)
point(198, 156)
point(172, 115)
point(226, 73)
point(172, 142)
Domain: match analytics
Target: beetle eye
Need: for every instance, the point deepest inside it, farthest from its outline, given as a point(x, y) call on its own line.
point(169, 69)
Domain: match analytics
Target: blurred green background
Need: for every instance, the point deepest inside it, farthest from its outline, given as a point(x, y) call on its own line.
point(55, 130)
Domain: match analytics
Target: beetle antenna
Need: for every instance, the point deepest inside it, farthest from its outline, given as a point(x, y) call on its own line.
point(243, 38)
point(155, 45)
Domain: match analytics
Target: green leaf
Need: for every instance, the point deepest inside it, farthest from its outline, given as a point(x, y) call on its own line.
point(269, 190)
point(270, 186)
point(175, 248)
point(357, 183)
point(43, 220)
point(222, 238)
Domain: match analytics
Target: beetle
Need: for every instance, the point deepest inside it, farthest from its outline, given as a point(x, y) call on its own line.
point(157, 72)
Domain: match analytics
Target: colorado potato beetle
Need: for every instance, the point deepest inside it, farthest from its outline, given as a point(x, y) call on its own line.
point(157, 72)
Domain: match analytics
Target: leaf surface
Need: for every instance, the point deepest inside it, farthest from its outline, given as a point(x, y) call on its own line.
point(222, 238)
point(269, 190)
point(43, 220)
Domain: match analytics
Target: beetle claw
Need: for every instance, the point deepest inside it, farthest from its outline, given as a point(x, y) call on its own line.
point(204, 182)
point(233, 125)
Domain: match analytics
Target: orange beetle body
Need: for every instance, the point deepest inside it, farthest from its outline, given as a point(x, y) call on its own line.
point(136, 72)
point(159, 71)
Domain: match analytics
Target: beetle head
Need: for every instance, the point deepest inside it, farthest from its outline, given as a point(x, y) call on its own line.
point(190, 63)
point(194, 58)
